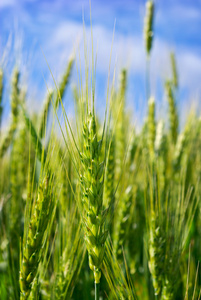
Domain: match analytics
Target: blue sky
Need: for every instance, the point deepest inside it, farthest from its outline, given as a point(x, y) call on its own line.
point(56, 27)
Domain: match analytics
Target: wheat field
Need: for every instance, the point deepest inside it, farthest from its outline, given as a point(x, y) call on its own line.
point(92, 207)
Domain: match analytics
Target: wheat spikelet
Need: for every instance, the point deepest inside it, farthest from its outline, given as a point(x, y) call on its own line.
point(119, 118)
point(182, 144)
point(161, 154)
point(18, 177)
point(1, 94)
point(136, 230)
point(41, 153)
point(22, 144)
point(156, 254)
point(6, 141)
point(171, 280)
point(33, 245)
point(174, 70)
point(92, 180)
point(64, 197)
point(16, 200)
point(15, 214)
point(70, 262)
point(173, 115)
point(44, 114)
point(148, 26)
point(159, 140)
point(64, 82)
point(151, 126)
point(110, 175)
point(15, 95)
point(14, 113)
point(122, 222)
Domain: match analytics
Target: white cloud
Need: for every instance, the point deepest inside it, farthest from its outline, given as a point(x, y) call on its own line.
point(128, 51)
point(189, 66)
point(185, 12)
point(7, 3)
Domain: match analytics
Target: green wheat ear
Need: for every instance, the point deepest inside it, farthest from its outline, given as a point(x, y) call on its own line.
point(40, 151)
point(64, 81)
point(173, 114)
point(44, 114)
point(148, 26)
point(109, 188)
point(34, 236)
point(156, 253)
point(92, 181)
point(174, 70)
point(151, 127)
point(122, 222)
point(6, 142)
point(119, 117)
point(1, 96)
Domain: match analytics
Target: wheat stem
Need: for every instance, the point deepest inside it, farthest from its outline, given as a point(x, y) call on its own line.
point(97, 290)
